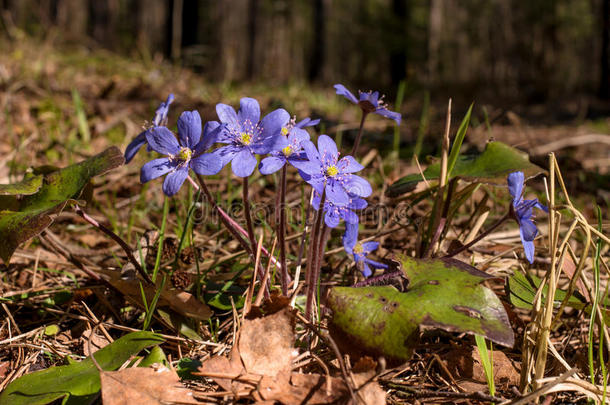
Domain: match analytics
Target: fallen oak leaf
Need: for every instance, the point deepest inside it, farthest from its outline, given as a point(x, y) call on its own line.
point(144, 386)
point(266, 345)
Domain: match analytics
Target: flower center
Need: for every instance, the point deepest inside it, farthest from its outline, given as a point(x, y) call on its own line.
point(287, 151)
point(358, 249)
point(285, 131)
point(245, 138)
point(332, 171)
point(185, 154)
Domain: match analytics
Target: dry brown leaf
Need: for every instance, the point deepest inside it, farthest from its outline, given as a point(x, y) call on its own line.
point(220, 365)
point(266, 345)
point(296, 388)
point(144, 386)
point(98, 341)
point(370, 392)
point(182, 302)
point(466, 363)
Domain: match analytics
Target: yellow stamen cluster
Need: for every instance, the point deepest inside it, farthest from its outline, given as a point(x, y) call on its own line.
point(287, 151)
point(358, 248)
point(246, 139)
point(332, 171)
point(285, 131)
point(185, 154)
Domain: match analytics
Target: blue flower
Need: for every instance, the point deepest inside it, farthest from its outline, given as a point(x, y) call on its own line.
point(291, 153)
point(183, 153)
point(325, 170)
point(307, 122)
point(333, 213)
point(360, 251)
point(523, 211)
point(369, 102)
point(160, 119)
point(246, 135)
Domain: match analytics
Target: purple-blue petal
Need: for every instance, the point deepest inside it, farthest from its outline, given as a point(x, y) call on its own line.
point(375, 264)
point(156, 168)
point(162, 140)
point(249, 110)
point(357, 203)
point(207, 164)
point(244, 163)
point(389, 114)
point(327, 148)
point(348, 164)
point(342, 91)
point(273, 122)
point(336, 194)
point(174, 180)
point(369, 247)
point(226, 153)
point(358, 186)
point(271, 164)
point(312, 154)
point(528, 248)
point(331, 219)
point(350, 237)
point(226, 114)
point(515, 185)
point(528, 229)
point(307, 122)
point(211, 131)
point(349, 216)
point(134, 146)
point(270, 144)
point(189, 129)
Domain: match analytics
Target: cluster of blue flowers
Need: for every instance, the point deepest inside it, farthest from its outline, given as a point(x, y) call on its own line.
point(243, 135)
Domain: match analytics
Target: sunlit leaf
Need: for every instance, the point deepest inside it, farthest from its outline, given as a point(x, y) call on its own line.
point(491, 166)
point(33, 214)
point(445, 294)
point(77, 381)
point(30, 184)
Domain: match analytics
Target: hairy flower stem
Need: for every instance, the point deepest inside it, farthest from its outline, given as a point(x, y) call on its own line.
point(359, 136)
point(282, 232)
point(248, 214)
point(481, 236)
point(312, 259)
point(236, 230)
point(117, 239)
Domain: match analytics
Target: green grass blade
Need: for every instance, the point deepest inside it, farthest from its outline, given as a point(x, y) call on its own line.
point(487, 362)
point(457, 143)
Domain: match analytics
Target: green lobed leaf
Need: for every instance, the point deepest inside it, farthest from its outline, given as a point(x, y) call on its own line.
point(30, 184)
point(492, 166)
point(32, 215)
point(78, 381)
point(446, 294)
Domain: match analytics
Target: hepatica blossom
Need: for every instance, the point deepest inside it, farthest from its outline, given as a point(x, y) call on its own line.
point(247, 135)
point(324, 170)
point(333, 214)
point(360, 250)
point(183, 153)
point(291, 153)
point(160, 119)
point(369, 102)
point(523, 213)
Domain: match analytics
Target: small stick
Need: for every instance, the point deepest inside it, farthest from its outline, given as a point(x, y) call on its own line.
point(314, 242)
point(117, 239)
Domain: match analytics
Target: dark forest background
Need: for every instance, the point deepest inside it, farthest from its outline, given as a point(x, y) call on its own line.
point(532, 51)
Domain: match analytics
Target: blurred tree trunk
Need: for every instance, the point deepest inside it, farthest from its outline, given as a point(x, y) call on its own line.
point(152, 25)
point(177, 17)
point(319, 44)
point(398, 55)
point(72, 18)
point(435, 26)
point(104, 17)
point(252, 17)
point(604, 89)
